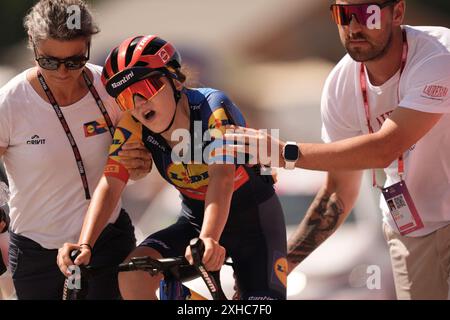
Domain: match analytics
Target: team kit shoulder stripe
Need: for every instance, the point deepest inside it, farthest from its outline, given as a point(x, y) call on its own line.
point(116, 170)
point(128, 131)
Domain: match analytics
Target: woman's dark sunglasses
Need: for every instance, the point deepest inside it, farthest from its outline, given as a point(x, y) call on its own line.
point(71, 63)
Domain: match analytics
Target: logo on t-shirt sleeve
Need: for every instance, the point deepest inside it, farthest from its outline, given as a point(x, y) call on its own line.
point(435, 92)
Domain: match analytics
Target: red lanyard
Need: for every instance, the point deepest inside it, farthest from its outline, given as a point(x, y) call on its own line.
point(76, 151)
point(363, 81)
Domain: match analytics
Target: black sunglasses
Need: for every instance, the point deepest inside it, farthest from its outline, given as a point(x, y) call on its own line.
point(71, 63)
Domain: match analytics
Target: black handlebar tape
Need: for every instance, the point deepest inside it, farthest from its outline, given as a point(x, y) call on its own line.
point(76, 293)
point(127, 266)
point(74, 254)
point(197, 250)
point(211, 279)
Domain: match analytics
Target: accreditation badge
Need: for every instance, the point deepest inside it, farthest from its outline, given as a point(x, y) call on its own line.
point(402, 208)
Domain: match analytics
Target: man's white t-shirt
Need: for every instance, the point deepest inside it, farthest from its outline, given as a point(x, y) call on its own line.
point(47, 201)
point(424, 86)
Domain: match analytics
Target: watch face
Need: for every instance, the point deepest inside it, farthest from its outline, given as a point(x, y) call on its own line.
point(291, 152)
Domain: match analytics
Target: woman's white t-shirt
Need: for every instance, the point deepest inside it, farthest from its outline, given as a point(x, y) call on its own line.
point(47, 201)
point(424, 86)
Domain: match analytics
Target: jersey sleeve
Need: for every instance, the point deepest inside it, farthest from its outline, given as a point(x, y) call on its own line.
point(128, 130)
point(428, 86)
point(223, 112)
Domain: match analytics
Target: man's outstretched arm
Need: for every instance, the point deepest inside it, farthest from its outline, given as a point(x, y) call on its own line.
point(328, 211)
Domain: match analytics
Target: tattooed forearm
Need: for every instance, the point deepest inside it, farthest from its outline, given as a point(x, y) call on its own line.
point(320, 222)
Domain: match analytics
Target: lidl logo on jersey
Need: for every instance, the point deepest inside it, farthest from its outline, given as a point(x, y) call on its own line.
point(121, 136)
point(35, 140)
point(218, 120)
point(188, 176)
point(192, 180)
point(279, 274)
point(94, 128)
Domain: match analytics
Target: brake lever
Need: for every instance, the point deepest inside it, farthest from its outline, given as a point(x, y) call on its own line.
point(211, 278)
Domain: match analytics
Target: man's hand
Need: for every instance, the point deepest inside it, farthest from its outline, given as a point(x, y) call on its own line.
point(263, 148)
point(137, 159)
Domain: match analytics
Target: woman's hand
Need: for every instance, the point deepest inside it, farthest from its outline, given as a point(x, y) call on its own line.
point(137, 159)
point(64, 261)
point(214, 256)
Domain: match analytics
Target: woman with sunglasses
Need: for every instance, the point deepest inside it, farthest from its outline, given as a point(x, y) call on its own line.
point(233, 208)
point(56, 123)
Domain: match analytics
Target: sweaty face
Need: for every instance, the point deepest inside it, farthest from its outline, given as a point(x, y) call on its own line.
point(363, 44)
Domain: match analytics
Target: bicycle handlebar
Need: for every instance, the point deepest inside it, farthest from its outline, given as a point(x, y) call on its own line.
point(211, 278)
point(78, 290)
point(171, 268)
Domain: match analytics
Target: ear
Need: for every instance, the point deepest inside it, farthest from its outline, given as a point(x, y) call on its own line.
point(399, 13)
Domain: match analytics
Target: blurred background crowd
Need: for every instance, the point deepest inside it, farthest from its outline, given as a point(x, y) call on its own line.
point(272, 58)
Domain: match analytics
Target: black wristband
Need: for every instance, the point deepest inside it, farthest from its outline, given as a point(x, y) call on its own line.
point(87, 245)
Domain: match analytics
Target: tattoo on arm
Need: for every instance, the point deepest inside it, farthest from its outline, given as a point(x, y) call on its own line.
point(320, 222)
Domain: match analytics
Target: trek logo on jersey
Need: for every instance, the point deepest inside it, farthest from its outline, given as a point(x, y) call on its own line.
point(435, 92)
point(280, 266)
point(94, 128)
point(196, 107)
point(35, 140)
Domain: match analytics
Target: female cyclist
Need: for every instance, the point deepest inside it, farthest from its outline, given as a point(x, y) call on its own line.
point(231, 207)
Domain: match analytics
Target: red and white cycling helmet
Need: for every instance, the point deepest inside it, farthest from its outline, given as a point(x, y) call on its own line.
point(136, 66)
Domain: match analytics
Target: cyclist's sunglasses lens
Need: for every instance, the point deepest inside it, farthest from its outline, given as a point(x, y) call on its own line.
point(342, 14)
point(146, 89)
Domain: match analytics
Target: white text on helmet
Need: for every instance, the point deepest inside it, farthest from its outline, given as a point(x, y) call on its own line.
point(124, 80)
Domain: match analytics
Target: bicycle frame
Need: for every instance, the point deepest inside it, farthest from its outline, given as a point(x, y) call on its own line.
point(175, 290)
